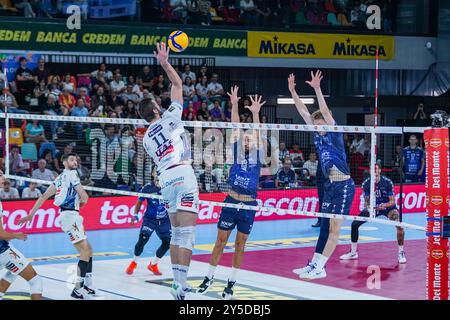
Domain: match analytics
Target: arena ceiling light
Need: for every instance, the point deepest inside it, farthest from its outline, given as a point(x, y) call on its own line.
point(291, 101)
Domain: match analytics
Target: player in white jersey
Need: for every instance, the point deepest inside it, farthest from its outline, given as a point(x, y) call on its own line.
point(167, 144)
point(70, 197)
point(15, 262)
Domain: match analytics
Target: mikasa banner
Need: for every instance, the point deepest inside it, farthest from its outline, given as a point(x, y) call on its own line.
point(319, 46)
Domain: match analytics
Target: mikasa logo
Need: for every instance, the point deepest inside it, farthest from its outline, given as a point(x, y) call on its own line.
point(435, 142)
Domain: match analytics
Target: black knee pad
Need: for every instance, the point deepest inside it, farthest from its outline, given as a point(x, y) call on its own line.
point(142, 241)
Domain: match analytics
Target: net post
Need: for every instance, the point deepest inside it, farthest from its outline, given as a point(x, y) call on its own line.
point(6, 128)
point(437, 192)
point(400, 208)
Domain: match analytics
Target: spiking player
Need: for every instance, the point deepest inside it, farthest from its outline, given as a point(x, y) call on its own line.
point(155, 219)
point(70, 196)
point(15, 262)
point(167, 144)
point(385, 206)
point(339, 187)
point(243, 180)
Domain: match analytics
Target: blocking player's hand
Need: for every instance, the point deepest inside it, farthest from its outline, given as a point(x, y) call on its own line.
point(162, 52)
point(25, 219)
point(21, 236)
point(382, 206)
point(233, 94)
point(315, 79)
point(291, 82)
point(134, 219)
point(256, 104)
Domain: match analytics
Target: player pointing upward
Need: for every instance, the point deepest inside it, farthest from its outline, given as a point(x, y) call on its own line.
point(339, 188)
point(167, 144)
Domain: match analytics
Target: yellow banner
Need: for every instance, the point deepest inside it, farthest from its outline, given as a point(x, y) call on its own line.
point(319, 46)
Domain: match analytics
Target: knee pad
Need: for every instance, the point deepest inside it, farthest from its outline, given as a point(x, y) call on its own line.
point(9, 277)
point(187, 237)
point(165, 243)
point(36, 285)
point(175, 239)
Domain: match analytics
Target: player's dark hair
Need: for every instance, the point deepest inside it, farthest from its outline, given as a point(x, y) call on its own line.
point(413, 135)
point(146, 109)
point(22, 59)
point(68, 155)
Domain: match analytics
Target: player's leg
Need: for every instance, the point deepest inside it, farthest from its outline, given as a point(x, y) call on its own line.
point(163, 232)
point(174, 245)
point(34, 281)
point(395, 216)
point(5, 283)
point(84, 249)
point(187, 222)
point(353, 254)
point(144, 235)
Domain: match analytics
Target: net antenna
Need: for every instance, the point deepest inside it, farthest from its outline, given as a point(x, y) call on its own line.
point(5, 74)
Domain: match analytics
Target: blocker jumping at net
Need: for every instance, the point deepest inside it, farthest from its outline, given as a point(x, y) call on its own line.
point(385, 206)
point(243, 181)
point(339, 187)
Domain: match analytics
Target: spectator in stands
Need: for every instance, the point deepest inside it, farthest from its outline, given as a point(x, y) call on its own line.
point(25, 6)
point(190, 109)
point(179, 9)
point(99, 100)
point(264, 119)
point(41, 72)
point(188, 91)
point(358, 145)
point(216, 112)
point(413, 161)
point(111, 135)
point(66, 101)
point(203, 113)
point(24, 80)
point(203, 72)
point(2, 77)
point(50, 160)
point(357, 17)
point(160, 85)
point(296, 155)
point(129, 95)
point(188, 73)
point(145, 78)
point(100, 81)
point(283, 151)
point(55, 86)
point(285, 177)
point(34, 132)
point(215, 89)
point(69, 83)
point(16, 164)
point(7, 99)
point(83, 94)
point(249, 12)
point(198, 12)
point(8, 192)
point(79, 110)
point(202, 88)
point(131, 80)
point(41, 93)
point(117, 85)
point(58, 159)
point(83, 173)
point(420, 113)
point(52, 108)
point(31, 192)
point(311, 164)
point(43, 173)
point(108, 75)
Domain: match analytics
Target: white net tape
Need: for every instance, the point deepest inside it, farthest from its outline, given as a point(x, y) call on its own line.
point(303, 130)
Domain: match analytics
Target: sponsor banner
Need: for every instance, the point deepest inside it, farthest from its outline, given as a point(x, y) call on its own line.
point(437, 192)
point(319, 46)
point(115, 212)
point(52, 36)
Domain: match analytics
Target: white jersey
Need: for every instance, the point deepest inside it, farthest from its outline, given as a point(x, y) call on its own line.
point(166, 141)
point(66, 196)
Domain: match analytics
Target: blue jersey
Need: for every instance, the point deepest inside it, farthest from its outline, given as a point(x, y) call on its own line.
point(245, 171)
point(383, 190)
point(285, 178)
point(413, 159)
point(4, 245)
point(155, 209)
point(331, 151)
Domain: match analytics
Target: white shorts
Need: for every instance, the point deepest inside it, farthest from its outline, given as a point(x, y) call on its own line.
point(179, 189)
point(72, 224)
point(13, 260)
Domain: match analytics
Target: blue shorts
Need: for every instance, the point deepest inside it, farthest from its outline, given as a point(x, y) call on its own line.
point(338, 196)
point(385, 213)
point(161, 226)
point(241, 218)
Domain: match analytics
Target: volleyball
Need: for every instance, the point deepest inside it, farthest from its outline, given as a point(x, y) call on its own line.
point(178, 41)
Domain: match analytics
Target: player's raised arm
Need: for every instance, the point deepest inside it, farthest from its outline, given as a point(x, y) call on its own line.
point(47, 194)
point(234, 99)
point(315, 84)
point(254, 108)
point(301, 108)
point(162, 55)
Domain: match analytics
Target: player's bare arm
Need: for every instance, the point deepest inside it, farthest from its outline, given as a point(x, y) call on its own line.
point(8, 236)
point(254, 108)
point(162, 55)
point(234, 99)
point(301, 107)
point(323, 107)
point(84, 197)
point(47, 194)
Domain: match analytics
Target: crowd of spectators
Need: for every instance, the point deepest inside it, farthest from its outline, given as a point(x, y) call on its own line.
point(255, 13)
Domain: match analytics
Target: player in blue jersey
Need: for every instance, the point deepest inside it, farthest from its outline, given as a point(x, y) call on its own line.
point(156, 219)
point(243, 179)
point(339, 187)
point(385, 206)
point(413, 161)
point(15, 262)
point(70, 197)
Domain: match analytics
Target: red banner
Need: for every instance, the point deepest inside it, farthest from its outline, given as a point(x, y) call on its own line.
point(437, 186)
point(114, 212)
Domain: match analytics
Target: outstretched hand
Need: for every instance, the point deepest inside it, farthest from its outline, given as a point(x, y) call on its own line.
point(25, 219)
point(162, 52)
point(291, 82)
point(256, 104)
point(233, 95)
point(315, 79)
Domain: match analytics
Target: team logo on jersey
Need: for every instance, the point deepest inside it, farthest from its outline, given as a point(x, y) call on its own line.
point(437, 254)
point(164, 152)
point(436, 200)
point(12, 267)
point(187, 200)
point(71, 236)
point(435, 142)
point(75, 227)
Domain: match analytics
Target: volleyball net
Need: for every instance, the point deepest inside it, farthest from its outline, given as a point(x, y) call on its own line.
point(114, 162)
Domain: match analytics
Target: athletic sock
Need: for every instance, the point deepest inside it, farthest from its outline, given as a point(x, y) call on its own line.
point(175, 272)
point(321, 261)
point(315, 257)
point(88, 279)
point(234, 272)
point(136, 259)
point(400, 248)
point(354, 247)
point(82, 268)
point(182, 273)
point(211, 271)
point(154, 260)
